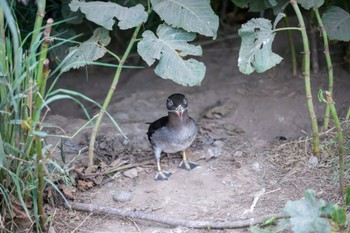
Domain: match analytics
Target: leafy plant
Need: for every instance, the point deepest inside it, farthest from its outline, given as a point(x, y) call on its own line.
point(309, 215)
point(26, 165)
point(256, 48)
point(170, 45)
point(258, 35)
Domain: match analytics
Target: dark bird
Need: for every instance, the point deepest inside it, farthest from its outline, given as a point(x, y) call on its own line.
point(173, 133)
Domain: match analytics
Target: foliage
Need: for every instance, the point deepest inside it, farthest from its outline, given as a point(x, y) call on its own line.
point(128, 17)
point(337, 23)
point(170, 47)
point(88, 51)
point(257, 36)
point(26, 164)
point(195, 16)
point(308, 215)
point(170, 44)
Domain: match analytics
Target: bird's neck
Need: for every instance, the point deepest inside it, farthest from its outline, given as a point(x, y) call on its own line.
point(175, 121)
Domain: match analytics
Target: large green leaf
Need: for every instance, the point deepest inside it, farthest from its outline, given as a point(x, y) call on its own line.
point(77, 17)
point(308, 4)
point(280, 6)
point(305, 215)
point(88, 51)
point(337, 23)
point(104, 13)
point(170, 46)
point(193, 16)
point(255, 53)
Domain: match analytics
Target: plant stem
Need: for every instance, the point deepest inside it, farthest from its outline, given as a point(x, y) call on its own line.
point(109, 96)
point(309, 101)
point(40, 170)
point(287, 29)
point(42, 70)
point(347, 115)
point(2, 52)
point(333, 110)
point(315, 66)
point(292, 48)
point(14, 33)
point(329, 65)
point(38, 20)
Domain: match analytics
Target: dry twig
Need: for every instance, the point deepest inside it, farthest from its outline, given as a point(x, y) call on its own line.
point(172, 221)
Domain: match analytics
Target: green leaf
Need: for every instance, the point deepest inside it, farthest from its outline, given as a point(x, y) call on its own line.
point(338, 215)
point(90, 50)
point(255, 53)
point(170, 48)
point(281, 5)
point(2, 152)
point(193, 16)
point(305, 215)
point(40, 133)
point(347, 196)
point(67, 13)
point(337, 23)
point(308, 4)
point(104, 13)
point(277, 19)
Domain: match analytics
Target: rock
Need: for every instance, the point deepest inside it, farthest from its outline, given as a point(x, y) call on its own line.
point(131, 173)
point(238, 153)
point(218, 143)
point(122, 196)
point(313, 161)
point(213, 153)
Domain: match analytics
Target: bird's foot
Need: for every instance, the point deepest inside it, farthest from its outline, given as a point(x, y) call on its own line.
point(162, 175)
point(187, 165)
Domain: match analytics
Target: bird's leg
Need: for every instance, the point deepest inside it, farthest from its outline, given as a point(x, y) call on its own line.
point(160, 175)
point(186, 165)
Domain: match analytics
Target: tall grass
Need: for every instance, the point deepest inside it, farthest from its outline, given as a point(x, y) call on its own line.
point(24, 99)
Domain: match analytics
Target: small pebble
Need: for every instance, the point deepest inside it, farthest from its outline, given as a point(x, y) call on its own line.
point(313, 161)
point(213, 153)
point(238, 153)
point(131, 173)
point(121, 196)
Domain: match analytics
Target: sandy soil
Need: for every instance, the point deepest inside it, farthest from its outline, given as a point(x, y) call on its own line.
point(242, 121)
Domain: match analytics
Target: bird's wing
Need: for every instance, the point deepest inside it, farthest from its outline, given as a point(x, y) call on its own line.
point(161, 122)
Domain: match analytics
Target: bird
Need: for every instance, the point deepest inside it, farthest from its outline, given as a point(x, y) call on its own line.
point(173, 133)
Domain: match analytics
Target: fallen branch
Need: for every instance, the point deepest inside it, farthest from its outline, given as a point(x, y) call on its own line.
point(172, 221)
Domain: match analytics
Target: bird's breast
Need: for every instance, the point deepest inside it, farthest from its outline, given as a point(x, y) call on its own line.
point(172, 140)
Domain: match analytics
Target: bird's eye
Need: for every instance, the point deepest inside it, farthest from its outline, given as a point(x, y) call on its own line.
point(170, 102)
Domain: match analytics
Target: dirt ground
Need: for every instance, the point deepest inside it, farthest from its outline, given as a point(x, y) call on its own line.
point(247, 144)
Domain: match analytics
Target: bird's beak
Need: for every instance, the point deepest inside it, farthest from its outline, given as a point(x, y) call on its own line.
point(180, 114)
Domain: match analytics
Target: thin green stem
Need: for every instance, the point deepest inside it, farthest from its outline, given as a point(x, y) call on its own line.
point(287, 29)
point(329, 64)
point(347, 115)
point(292, 48)
point(42, 70)
point(38, 20)
point(2, 54)
point(341, 150)
point(14, 34)
point(40, 177)
point(109, 95)
point(309, 101)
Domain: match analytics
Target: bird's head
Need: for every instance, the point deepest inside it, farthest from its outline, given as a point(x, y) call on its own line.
point(177, 103)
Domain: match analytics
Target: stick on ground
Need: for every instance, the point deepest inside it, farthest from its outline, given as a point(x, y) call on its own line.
point(172, 221)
